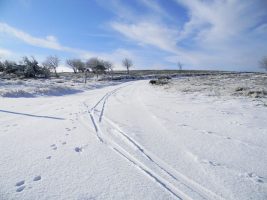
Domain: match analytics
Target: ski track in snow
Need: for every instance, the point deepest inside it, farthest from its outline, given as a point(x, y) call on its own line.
point(168, 178)
point(112, 135)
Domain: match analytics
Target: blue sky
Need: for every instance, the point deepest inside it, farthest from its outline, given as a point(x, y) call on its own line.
point(155, 34)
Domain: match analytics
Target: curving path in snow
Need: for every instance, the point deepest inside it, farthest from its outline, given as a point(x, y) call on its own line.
point(132, 141)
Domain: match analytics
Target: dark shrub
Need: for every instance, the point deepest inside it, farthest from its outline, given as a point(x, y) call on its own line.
point(159, 82)
point(11, 67)
point(165, 77)
point(2, 67)
point(153, 82)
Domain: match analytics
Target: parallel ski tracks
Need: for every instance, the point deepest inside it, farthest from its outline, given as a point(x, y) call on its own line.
point(171, 180)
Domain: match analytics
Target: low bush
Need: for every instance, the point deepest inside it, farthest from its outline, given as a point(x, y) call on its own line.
point(28, 68)
point(165, 77)
point(159, 81)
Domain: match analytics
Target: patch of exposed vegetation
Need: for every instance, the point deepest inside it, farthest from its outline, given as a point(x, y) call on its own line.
point(159, 81)
point(251, 85)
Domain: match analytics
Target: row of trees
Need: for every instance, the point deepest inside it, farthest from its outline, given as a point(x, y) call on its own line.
point(30, 68)
point(96, 65)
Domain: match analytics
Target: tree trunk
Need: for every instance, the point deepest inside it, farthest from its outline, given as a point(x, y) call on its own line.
point(56, 73)
point(85, 77)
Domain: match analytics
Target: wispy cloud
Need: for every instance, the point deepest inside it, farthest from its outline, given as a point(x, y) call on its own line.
point(5, 53)
point(156, 7)
point(47, 42)
point(214, 33)
point(221, 21)
point(217, 32)
point(226, 32)
point(51, 42)
point(148, 33)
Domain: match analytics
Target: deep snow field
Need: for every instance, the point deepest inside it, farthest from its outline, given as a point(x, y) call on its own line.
point(201, 137)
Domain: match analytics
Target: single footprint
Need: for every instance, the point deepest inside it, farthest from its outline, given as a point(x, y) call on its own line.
point(183, 125)
point(37, 178)
point(214, 164)
point(259, 180)
point(209, 132)
point(63, 143)
point(54, 147)
point(20, 183)
point(256, 178)
point(48, 157)
point(206, 132)
point(211, 163)
point(21, 188)
point(78, 149)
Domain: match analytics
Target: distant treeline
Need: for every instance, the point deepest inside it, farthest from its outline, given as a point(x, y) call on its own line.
point(31, 68)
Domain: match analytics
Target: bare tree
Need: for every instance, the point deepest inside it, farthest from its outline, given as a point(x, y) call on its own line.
point(76, 64)
point(109, 66)
point(96, 65)
point(71, 63)
point(89, 65)
point(180, 65)
point(263, 63)
point(127, 63)
point(86, 72)
point(80, 65)
point(52, 63)
point(92, 63)
point(2, 67)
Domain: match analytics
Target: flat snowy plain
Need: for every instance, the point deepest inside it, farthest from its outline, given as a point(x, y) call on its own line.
point(194, 138)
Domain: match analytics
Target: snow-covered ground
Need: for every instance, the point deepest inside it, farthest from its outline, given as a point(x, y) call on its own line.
point(195, 138)
point(49, 87)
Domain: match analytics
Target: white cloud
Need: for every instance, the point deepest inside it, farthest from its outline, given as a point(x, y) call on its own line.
point(221, 21)
point(226, 33)
point(155, 7)
point(51, 38)
point(4, 53)
point(48, 42)
point(51, 42)
point(119, 8)
point(218, 33)
point(149, 33)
